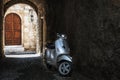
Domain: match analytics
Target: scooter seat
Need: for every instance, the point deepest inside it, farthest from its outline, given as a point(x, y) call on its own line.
point(50, 45)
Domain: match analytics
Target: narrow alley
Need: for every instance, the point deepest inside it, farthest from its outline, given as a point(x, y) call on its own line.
point(92, 28)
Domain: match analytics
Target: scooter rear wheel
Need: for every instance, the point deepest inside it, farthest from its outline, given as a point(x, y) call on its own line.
point(65, 68)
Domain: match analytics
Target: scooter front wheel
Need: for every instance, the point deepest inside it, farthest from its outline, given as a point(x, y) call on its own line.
point(65, 68)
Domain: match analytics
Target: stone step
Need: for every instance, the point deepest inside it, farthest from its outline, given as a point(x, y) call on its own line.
point(13, 49)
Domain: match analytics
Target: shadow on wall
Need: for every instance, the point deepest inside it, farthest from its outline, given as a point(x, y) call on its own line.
point(1, 23)
point(93, 31)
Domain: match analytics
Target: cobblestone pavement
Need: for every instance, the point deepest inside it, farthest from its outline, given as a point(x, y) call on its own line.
point(29, 69)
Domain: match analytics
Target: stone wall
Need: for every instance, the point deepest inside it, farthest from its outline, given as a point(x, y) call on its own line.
point(54, 17)
point(93, 33)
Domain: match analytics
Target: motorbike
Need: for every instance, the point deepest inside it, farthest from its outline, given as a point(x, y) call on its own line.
point(57, 55)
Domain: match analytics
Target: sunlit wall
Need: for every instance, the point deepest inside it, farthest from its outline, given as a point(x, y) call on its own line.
point(29, 25)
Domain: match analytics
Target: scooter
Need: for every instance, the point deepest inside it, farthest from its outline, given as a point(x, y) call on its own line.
point(57, 55)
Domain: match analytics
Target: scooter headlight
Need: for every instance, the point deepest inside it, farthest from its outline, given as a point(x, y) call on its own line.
point(64, 36)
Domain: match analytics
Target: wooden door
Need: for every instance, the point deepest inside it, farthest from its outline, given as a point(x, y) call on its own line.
point(12, 29)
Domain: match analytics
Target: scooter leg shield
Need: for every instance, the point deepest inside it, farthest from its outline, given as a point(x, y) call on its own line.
point(64, 58)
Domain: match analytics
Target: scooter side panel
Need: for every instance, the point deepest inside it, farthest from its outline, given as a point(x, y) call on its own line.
point(64, 57)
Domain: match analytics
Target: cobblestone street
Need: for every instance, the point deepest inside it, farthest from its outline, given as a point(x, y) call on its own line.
point(29, 69)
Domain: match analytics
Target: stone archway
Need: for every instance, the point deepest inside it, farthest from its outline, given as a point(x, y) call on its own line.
point(42, 25)
point(39, 7)
point(8, 3)
point(29, 34)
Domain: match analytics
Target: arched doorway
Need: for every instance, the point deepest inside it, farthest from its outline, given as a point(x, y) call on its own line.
point(41, 30)
point(21, 33)
point(12, 29)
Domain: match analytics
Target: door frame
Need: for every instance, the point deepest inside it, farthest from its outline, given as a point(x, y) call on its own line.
point(4, 29)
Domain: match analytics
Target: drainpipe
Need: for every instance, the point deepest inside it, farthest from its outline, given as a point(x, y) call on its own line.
point(42, 22)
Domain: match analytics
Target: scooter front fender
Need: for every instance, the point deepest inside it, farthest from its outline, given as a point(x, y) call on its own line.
point(64, 58)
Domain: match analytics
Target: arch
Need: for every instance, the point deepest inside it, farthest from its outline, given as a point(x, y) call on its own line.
point(12, 2)
point(40, 14)
point(29, 40)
